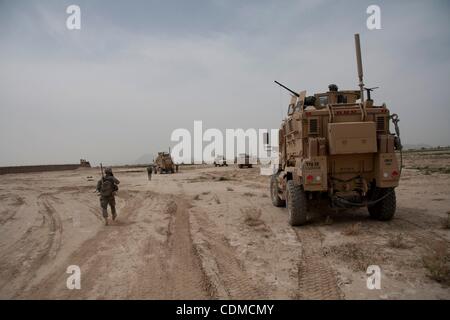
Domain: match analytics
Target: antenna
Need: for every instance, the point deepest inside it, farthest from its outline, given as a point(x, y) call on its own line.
point(360, 68)
point(291, 91)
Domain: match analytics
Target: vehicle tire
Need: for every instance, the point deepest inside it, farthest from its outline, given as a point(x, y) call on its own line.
point(274, 192)
point(384, 209)
point(240, 166)
point(250, 166)
point(172, 170)
point(296, 203)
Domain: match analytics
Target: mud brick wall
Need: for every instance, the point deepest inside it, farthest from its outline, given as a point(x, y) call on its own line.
point(41, 168)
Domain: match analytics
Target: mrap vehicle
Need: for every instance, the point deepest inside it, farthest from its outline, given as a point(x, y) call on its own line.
point(163, 163)
point(245, 160)
point(337, 147)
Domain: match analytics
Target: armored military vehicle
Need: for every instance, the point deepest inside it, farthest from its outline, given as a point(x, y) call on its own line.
point(163, 163)
point(245, 160)
point(220, 161)
point(337, 147)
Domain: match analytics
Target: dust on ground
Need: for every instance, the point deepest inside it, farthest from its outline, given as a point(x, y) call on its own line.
point(208, 233)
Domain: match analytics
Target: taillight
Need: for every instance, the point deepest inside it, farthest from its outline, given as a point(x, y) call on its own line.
point(394, 175)
point(313, 179)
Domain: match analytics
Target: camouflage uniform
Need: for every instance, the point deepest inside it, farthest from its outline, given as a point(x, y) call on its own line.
point(105, 200)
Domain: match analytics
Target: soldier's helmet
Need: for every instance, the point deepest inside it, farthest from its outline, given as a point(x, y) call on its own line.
point(108, 170)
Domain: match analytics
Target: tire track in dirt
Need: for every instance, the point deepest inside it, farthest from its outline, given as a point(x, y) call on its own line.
point(97, 257)
point(124, 260)
point(316, 278)
point(51, 286)
point(6, 215)
point(187, 277)
point(415, 224)
point(37, 246)
point(397, 246)
point(175, 272)
point(422, 235)
point(55, 228)
point(226, 273)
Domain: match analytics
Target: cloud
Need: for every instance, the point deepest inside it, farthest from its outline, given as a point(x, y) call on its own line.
point(116, 89)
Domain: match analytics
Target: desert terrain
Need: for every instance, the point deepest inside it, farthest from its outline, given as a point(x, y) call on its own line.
point(213, 233)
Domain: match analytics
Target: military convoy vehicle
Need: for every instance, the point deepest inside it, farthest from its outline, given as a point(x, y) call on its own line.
point(163, 163)
point(220, 161)
point(337, 147)
point(244, 160)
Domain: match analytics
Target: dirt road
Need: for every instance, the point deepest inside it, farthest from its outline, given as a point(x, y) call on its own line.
point(207, 233)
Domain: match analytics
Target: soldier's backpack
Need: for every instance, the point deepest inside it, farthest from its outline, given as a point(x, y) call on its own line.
point(107, 188)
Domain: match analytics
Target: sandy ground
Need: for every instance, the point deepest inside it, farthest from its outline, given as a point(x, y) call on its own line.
point(207, 233)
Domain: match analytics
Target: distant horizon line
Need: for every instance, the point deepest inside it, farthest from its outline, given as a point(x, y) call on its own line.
point(406, 146)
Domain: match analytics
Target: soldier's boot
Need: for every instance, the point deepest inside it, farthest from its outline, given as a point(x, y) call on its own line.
point(105, 216)
point(113, 213)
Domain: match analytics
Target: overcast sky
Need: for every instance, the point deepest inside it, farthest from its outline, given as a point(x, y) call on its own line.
point(137, 70)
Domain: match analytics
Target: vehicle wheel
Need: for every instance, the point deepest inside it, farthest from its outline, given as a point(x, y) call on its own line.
point(250, 166)
point(274, 192)
point(384, 209)
point(240, 166)
point(296, 203)
point(172, 171)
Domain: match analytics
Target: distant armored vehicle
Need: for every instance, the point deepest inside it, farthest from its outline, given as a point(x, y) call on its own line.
point(163, 163)
point(84, 163)
point(336, 146)
point(220, 161)
point(244, 160)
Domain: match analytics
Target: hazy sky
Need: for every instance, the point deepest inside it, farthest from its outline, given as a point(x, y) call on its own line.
point(137, 70)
